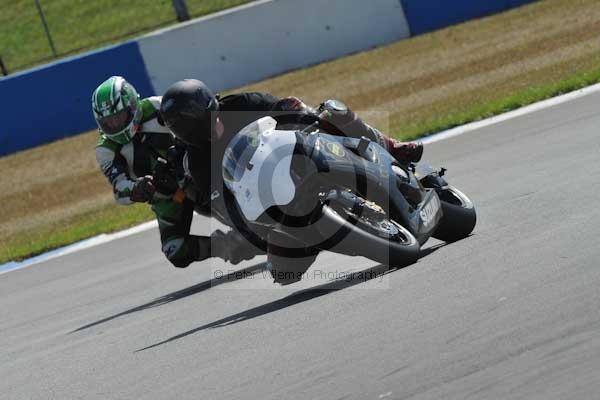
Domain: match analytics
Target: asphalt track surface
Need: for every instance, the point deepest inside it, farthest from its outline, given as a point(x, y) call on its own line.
point(512, 312)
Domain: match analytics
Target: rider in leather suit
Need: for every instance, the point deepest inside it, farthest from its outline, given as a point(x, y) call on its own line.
point(206, 123)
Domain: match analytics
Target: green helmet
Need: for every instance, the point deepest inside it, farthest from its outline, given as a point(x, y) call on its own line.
point(117, 109)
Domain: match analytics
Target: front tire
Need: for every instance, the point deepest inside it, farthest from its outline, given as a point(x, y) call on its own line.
point(459, 215)
point(394, 245)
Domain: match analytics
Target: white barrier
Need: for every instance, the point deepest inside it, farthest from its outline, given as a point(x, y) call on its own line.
point(265, 38)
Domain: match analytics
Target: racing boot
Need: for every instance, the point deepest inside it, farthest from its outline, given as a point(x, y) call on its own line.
point(406, 152)
point(232, 247)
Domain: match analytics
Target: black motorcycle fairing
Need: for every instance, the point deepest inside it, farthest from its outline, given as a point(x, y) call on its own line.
point(322, 162)
point(368, 171)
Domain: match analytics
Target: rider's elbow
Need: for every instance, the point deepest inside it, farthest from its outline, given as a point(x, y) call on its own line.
point(122, 200)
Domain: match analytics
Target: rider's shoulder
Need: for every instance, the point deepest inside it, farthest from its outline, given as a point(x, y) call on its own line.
point(151, 122)
point(150, 107)
point(105, 143)
point(244, 101)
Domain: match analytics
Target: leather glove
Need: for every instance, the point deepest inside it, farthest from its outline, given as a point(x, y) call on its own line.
point(164, 179)
point(336, 113)
point(143, 189)
point(232, 247)
point(337, 117)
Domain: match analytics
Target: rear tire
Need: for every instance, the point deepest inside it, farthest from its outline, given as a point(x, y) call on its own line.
point(459, 215)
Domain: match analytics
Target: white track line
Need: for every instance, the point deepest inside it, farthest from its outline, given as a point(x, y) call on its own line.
point(530, 109)
point(84, 244)
point(105, 238)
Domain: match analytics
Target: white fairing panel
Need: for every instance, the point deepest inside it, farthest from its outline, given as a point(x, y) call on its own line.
point(266, 180)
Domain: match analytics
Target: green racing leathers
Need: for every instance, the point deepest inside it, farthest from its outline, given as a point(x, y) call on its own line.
point(122, 164)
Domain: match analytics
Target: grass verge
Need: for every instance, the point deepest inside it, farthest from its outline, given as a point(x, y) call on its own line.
point(104, 220)
point(112, 218)
point(420, 86)
point(79, 25)
point(501, 105)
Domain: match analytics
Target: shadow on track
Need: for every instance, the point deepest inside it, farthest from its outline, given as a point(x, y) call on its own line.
point(183, 293)
point(298, 297)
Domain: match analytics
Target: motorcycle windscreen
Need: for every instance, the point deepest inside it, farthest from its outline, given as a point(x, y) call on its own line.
point(257, 167)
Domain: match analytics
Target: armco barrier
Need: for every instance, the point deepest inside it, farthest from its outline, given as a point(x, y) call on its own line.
point(429, 15)
point(54, 101)
point(265, 38)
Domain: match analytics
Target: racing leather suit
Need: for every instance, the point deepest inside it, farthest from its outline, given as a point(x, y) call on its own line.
point(123, 164)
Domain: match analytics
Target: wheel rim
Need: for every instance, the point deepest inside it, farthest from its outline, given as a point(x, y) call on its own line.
point(374, 220)
point(454, 196)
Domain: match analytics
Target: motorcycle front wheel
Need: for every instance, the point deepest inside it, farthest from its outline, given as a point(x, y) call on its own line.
point(369, 233)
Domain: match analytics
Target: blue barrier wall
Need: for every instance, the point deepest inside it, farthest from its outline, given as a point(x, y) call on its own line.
point(429, 15)
point(54, 101)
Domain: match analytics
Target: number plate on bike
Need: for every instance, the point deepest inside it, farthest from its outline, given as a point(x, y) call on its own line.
point(430, 210)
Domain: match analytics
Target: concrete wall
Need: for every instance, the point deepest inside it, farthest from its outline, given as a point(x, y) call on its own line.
point(54, 101)
point(267, 38)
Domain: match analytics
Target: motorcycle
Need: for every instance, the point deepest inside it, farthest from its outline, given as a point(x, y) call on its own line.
point(340, 194)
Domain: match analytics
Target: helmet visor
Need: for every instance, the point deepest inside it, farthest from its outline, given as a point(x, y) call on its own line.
point(115, 123)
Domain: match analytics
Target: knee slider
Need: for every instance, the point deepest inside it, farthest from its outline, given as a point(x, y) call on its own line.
point(172, 250)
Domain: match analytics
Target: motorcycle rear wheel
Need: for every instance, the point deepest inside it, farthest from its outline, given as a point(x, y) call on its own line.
point(459, 215)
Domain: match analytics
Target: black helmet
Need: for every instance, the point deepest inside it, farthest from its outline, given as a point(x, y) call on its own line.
point(189, 109)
